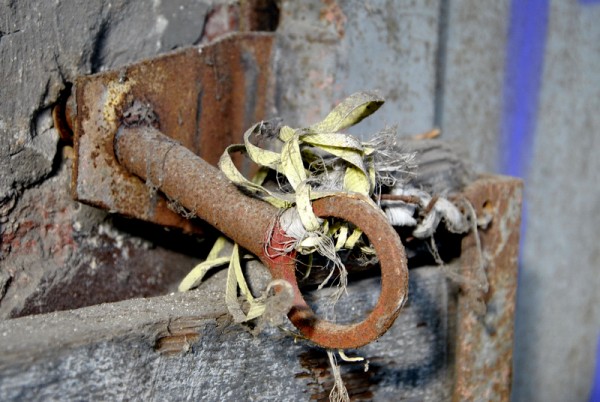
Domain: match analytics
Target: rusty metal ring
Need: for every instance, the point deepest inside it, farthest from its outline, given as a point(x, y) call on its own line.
point(394, 276)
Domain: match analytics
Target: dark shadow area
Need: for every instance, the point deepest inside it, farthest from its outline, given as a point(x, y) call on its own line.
point(264, 15)
point(133, 259)
point(172, 239)
point(419, 252)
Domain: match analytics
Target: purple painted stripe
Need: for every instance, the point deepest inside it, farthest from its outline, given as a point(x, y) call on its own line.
point(523, 75)
point(588, 2)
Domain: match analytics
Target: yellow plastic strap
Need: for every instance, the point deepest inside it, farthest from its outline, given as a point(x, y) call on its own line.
point(341, 237)
point(266, 157)
point(353, 156)
point(332, 140)
point(260, 175)
point(356, 180)
point(227, 166)
point(235, 280)
point(372, 175)
point(286, 133)
point(349, 112)
point(304, 206)
point(351, 242)
point(217, 248)
point(292, 165)
point(322, 136)
point(298, 147)
point(195, 276)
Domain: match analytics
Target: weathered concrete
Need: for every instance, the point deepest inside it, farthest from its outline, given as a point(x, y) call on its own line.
point(45, 45)
point(60, 254)
point(52, 247)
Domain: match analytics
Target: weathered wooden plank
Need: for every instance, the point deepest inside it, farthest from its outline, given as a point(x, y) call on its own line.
point(109, 352)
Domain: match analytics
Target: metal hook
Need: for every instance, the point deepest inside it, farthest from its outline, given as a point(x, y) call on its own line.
point(203, 189)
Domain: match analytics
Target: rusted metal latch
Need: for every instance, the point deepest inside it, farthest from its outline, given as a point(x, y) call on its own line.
point(163, 121)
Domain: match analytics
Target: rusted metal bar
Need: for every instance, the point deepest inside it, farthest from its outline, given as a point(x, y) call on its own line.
point(204, 190)
point(195, 184)
point(204, 97)
point(484, 339)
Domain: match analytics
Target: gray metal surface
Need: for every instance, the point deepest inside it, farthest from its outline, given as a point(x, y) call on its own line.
point(331, 49)
point(471, 74)
point(558, 316)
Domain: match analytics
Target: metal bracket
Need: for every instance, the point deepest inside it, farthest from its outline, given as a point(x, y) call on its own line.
point(203, 97)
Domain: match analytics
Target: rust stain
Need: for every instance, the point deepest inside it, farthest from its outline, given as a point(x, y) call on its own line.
point(333, 13)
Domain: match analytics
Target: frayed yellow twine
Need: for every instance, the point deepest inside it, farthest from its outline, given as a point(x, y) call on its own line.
point(311, 162)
